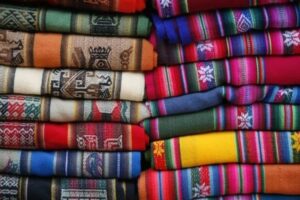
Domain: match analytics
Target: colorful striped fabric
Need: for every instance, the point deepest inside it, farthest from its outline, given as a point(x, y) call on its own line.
point(122, 6)
point(226, 147)
point(194, 77)
point(243, 95)
point(254, 197)
point(276, 42)
point(50, 50)
point(210, 25)
point(45, 20)
point(125, 165)
point(178, 7)
point(226, 117)
point(81, 136)
point(206, 181)
point(16, 187)
point(36, 108)
point(73, 83)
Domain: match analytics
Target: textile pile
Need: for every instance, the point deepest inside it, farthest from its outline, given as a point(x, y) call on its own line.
point(184, 99)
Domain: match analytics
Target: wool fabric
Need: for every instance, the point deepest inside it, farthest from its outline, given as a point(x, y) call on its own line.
point(23, 187)
point(217, 180)
point(81, 136)
point(243, 95)
point(251, 147)
point(178, 7)
point(125, 165)
point(44, 109)
point(122, 6)
point(50, 50)
point(272, 42)
point(73, 83)
point(254, 197)
point(201, 76)
point(215, 24)
point(279, 117)
point(46, 20)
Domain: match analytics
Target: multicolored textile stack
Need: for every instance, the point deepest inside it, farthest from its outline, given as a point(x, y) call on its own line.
point(224, 102)
point(70, 105)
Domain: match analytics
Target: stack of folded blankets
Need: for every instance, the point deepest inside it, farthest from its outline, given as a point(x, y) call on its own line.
point(224, 101)
point(86, 103)
point(71, 98)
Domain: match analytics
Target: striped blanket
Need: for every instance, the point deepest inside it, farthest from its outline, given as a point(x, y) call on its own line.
point(209, 181)
point(81, 136)
point(194, 77)
point(125, 165)
point(36, 108)
point(46, 20)
point(226, 117)
point(243, 95)
point(73, 83)
point(50, 50)
point(16, 187)
point(251, 147)
point(215, 24)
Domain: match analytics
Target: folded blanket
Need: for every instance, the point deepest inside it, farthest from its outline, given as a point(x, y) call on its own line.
point(196, 183)
point(15, 187)
point(243, 95)
point(226, 147)
point(184, 79)
point(171, 8)
point(49, 50)
point(254, 197)
point(276, 42)
point(73, 83)
point(34, 108)
point(83, 136)
point(226, 117)
point(46, 20)
point(126, 165)
point(123, 6)
point(210, 25)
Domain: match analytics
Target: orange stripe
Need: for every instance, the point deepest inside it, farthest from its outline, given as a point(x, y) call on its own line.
point(47, 50)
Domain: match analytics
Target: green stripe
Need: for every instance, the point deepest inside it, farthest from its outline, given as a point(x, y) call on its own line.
point(58, 21)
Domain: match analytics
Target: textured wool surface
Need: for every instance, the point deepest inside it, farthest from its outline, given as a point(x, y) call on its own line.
point(201, 76)
point(178, 7)
point(206, 181)
point(243, 95)
point(272, 42)
point(82, 136)
point(73, 83)
point(275, 117)
point(215, 24)
point(24, 187)
point(44, 109)
point(124, 165)
point(251, 147)
point(51, 50)
point(122, 6)
point(46, 20)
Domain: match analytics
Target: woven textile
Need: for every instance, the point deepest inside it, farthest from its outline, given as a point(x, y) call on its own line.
point(243, 95)
point(209, 25)
point(124, 165)
point(196, 183)
point(20, 188)
point(279, 42)
point(83, 136)
point(123, 6)
point(34, 108)
point(254, 197)
point(184, 79)
point(72, 83)
point(177, 7)
point(49, 50)
point(46, 20)
point(226, 117)
point(226, 147)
